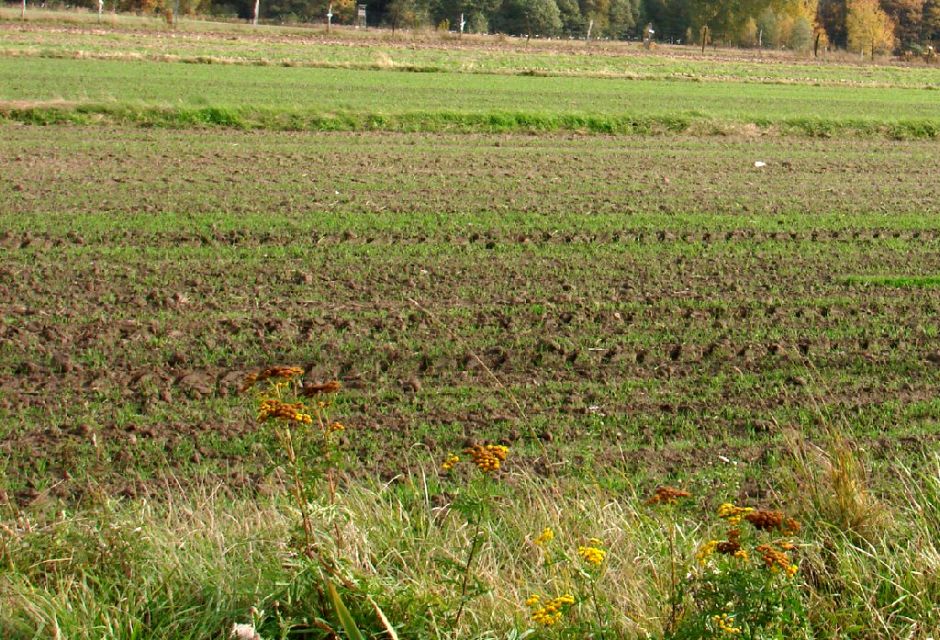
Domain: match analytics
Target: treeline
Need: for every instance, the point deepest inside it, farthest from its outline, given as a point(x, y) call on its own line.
point(869, 26)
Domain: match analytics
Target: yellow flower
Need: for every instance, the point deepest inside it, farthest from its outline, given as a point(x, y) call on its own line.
point(273, 408)
point(592, 555)
point(550, 613)
point(741, 554)
point(449, 463)
point(489, 457)
point(733, 514)
point(706, 551)
point(545, 537)
point(725, 624)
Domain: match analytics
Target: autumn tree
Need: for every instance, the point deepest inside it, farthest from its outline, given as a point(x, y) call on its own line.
point(868, 27)
point(831, 16)
point(931, 23)
point(909, 16)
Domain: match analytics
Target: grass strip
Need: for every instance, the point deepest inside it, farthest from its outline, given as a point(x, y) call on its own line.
point(252, 118)
point(901, 282)
point(446, 66)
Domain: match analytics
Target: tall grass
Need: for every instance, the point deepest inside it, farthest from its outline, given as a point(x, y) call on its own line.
point(191, 566)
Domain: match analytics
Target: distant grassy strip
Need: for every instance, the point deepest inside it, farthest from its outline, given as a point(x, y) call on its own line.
point(901, 282)
point(365, 65)
point(249, 118)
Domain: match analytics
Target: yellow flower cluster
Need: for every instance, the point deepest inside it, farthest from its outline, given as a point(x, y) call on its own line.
point(705, 551)
point(335, 427)
point(545, 537)
point(488, 457)
point(725, 624)
point(450, 462)
point(592, 553)
point(549, 613)
point(292, 411)
point(733, 514)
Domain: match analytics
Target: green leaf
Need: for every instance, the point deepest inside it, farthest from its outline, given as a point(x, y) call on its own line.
point(345, 618)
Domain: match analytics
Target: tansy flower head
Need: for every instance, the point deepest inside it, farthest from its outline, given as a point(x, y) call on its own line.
point(450, 462)
point(310, 390)
point(545, 537)
point(775, 560)
point(279, 371)
point(667, 495)
point(705, 551)
point(772, 520)
point(551, 612)
point(732, 513)
point(592, 554)
point(728, 547)
point(488, 457)
point(271, 408)
point(725, 624)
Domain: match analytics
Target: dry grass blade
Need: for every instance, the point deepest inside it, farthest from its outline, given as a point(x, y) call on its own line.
point(389, 629)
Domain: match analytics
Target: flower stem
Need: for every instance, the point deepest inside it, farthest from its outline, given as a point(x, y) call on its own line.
point(474, 546)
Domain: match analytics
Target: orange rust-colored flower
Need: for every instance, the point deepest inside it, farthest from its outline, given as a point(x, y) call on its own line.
point(667, 495)
point(277, 371)
point(775, 560)
point(728, 547)
point(732, 545)
point(772, 520)
point(271, 408)
point(489, 457)
point(311, 390)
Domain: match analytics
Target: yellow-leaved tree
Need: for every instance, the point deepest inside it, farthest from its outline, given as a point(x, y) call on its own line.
point(869, 29)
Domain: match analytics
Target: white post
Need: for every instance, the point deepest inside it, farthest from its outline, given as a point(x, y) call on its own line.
point(257, 7)
point(329, 18)
point(590, 26)
point(463, 23)
point(100, 9)
point(23, 12)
